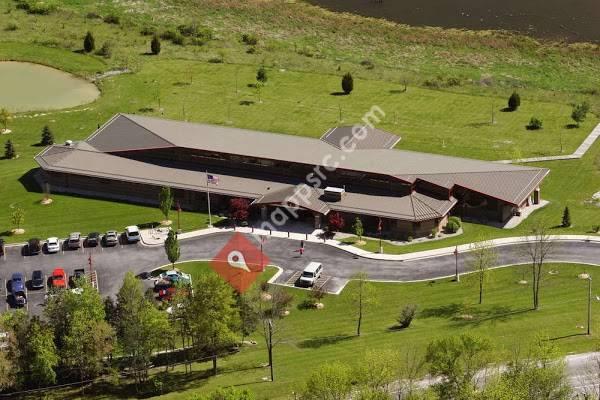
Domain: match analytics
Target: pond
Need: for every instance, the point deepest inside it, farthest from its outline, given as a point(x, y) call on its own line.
point(33, 87)
point(575, 20)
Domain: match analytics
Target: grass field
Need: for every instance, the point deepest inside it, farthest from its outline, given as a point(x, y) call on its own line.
point(297, 99)
point(312, 337)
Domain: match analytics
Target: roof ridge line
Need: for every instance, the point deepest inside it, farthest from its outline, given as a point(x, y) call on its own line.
point(148, 130)
point(479, 172)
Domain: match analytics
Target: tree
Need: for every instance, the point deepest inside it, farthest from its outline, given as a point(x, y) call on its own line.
point(155, 45)
point(538, 248)
point(270, 311)
point(483, 256)
point(566, 218)
point(89, 43)
point(229, 393)
point(165, 201)
point(261, 75)
point(172, 248)
point(457, 359)
point(540, 375)
point(140, 327)
point(347, 83)
point(535, 124)
point(82, 335)
point(40, 354)
point(358, 229)
point(239, 209)
point(580, 112)
point(331, 381)
point(514, 101)
point(214, 316)
point(17, 218)
point(5, 116)
point(362, 296)
point(249, 317)
point(335, 222)
point(47, 136)
point(9, 150)
point(378, 370)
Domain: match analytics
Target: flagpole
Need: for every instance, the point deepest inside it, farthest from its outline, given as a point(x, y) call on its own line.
point(208, 200)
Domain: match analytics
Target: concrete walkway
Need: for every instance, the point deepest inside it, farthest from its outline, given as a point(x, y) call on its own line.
point(580, 152)
point(367, 254)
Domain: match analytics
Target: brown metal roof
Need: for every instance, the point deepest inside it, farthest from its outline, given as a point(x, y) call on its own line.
point(510, 183)
point(84, 162)
point(302, 196)
point(360, 137)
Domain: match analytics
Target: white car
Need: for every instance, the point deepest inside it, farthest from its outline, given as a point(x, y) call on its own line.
point(53, 245)
point(132, 233)
point(311, 274)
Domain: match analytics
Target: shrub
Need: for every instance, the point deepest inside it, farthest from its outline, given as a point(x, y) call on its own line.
point(37, 7)
point(579, 112)
point(456, 220)
point(407, 314)
point(9, 150)
point(452, 81)
point(11, 26)
point(148, 31)
point(534, 124)
point(410, 239)
point(368, 64)
point(434, 232)
point(155, 45)
point(89, 43)
point(250, 39)
point(451, 227)
point(514, 101)
point(92, 15)
point(596, 228)
point(347, 83)
point(112, 19)
point(106, 50)
point(251, 50)
point(195, 30)
point(317, 294)
point(178, 40)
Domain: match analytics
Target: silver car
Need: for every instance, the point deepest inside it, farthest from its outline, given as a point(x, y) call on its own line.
point(74, 240)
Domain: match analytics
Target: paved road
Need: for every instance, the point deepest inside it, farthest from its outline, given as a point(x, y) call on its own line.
point(112, 263)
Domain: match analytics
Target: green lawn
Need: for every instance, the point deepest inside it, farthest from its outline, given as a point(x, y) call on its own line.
point(312, 337)
point(450, 120)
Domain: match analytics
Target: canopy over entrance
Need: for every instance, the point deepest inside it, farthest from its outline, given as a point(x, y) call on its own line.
point(299, 196)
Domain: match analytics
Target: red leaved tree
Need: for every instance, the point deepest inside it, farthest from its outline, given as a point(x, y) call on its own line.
point(238, 209)
point(336, 222)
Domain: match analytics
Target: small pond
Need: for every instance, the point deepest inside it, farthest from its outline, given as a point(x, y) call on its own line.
point(33, 87)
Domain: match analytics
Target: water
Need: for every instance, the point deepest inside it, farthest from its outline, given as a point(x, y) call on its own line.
point(29, 87)
point(572, 20)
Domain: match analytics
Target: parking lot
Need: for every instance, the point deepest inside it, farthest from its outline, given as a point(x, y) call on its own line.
point(329, 284)
point(104, 264)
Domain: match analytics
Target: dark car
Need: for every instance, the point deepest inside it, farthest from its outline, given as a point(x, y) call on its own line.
point(17, 289)
point(37, 279)
point(34, 247)
point(92, 239)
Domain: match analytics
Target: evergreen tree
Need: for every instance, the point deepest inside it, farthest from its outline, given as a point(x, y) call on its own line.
point(514, 101)
point(165, 200)
point(155, 45)
point(47, 136)
point(358, 228)
point(261, 75)
point(89, 43)
point(580, 112)
point(566, 219)
point(347, 83)
point(9, 150)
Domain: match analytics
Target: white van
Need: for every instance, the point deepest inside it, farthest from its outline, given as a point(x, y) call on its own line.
point(132, 233)
point(311, 273)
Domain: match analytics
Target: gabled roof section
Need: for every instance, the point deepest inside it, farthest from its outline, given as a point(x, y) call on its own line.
point(359, 138)
point(122, 134)
point(302, 196)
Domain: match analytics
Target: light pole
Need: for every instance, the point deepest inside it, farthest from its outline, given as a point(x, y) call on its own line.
point(457, 276)
point(589, 314)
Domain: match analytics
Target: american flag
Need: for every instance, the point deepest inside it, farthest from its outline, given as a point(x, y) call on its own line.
point(212, 179)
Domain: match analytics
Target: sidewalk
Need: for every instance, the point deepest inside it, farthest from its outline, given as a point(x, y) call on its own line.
point(366, 254)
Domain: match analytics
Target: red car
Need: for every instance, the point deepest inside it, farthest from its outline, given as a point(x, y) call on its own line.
point(59, 278)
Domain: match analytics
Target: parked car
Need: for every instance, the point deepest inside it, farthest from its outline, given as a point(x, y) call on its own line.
point(176, 276)
point(111, 238)
point(1, 247)
point(132, 233)
point(92, 239)
point(34, 247)
point(17, 289)
point(59, 278)
point(311, 273)
point(74, 240)
point(53, 245)
point(37, 279)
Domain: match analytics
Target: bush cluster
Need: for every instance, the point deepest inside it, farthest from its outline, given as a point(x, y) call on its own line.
point(112, 19)
point(37, 7)
point(534, 124)
point(453, 225)
point(250, 39)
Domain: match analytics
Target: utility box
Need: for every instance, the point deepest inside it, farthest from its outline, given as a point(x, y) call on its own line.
point(334, 193)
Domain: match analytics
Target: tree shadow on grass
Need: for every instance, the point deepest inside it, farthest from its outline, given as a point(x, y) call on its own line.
point(465, 314)
point(338, 94)
point(571, 126)
point(317, 342)
point(246, 102)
